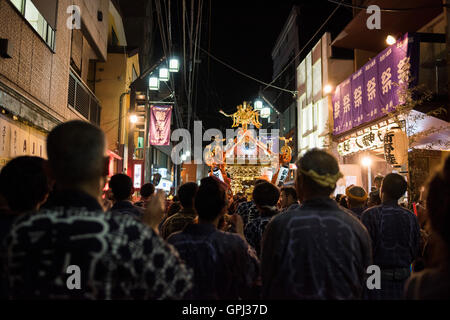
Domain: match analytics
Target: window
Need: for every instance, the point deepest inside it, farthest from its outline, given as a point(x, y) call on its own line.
point(305, 121)
point(134, 75)
point(308, 79)
point(317, 80)
point(316, 115)
point(36, 20)
point(18, 4)
point(310, 118)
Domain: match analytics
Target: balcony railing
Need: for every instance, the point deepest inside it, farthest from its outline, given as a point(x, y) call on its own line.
point(83, 100)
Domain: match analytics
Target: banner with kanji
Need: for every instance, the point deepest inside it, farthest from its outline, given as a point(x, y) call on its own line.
point(160, 119)
point(375, 89)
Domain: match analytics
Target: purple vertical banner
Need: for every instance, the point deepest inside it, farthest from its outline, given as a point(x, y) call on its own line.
point(371, 91)
point(387, 81)
point(392, 65)
point(358, 98)
point(346, 105)
point(337, 111)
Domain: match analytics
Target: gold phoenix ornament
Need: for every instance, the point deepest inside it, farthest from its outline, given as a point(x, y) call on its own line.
point(245, 115)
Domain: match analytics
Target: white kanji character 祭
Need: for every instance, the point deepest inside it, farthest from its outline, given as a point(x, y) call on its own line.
point(371, 89)
point(357, 97)
point(346, 102)
point(337, 107)
point(386, 80)
point(403, 70)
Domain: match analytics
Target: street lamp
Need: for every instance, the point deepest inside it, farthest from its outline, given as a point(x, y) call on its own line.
point(265, 113)
point(327, 89)
point(133, 118)
point(153, 83)
point(258, 105)
point(390, 40)
point(367, 162)
point(174, 65)
point(164, 74)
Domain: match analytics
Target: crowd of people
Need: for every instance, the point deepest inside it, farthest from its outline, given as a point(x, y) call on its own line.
point(283, 243)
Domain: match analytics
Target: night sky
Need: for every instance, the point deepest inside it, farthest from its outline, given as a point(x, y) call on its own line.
point(243, 34)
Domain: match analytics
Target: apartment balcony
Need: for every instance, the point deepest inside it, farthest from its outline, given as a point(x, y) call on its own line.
point(82, 99)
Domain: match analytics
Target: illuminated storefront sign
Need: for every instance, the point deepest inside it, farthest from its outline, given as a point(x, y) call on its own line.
point(137, 176)
point(396, 147)
point(370, 140)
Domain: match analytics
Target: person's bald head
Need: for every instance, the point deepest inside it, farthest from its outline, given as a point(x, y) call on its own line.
point(76, 153)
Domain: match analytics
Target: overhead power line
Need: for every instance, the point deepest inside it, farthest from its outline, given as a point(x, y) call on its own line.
point(386, 9)
point(244, 74)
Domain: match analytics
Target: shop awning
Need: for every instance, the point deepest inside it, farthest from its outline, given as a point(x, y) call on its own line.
point(356, 35)
point(428, 132)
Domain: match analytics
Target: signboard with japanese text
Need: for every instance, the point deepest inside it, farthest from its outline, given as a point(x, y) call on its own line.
point(396, 147)
point(370, 140)
point(19, 139)
point(137, 180)
point(375, 89)
point(160, 120)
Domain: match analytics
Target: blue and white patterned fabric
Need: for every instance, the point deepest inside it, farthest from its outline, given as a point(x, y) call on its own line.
point(317, 250)
point(118, 256)
point(225, 266)
point(247, 211)
point(395, 237)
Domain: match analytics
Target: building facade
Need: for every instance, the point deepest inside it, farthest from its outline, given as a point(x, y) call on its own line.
point(317, 75)
point(367, 107)
point(46, 68)
point(112, 87)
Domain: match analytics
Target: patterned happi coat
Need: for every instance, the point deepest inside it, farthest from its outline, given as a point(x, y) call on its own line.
point(117, 256)
point(225, 266)
point(317, 250)
point(395, 237)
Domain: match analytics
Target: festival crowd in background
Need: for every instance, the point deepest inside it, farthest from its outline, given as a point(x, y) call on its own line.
point(283, 243)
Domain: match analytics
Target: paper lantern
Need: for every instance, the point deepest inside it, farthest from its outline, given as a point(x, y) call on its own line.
point(396, 147)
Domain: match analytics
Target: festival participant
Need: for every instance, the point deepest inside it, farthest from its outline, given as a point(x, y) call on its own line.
point(247, 210)
point(24, 186)
point(356, 199)
point(147, 191)
point(288, 198)
point(343, 201)
point(434, 283)
point(375, 195)
point(395, 237)
point(225, 266)
point(338, 198)
point(75, 245)
point(265, 195)
point(122, 190)
point(186, 215)
point(318, 250)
